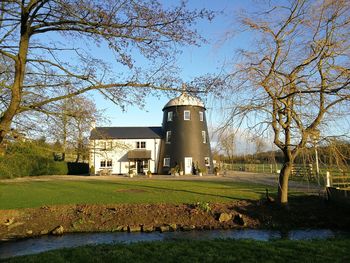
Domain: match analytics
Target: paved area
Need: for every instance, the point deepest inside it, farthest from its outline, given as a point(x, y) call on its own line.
point(232, 176)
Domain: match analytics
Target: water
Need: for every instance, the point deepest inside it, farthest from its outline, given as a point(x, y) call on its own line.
point(46, 243)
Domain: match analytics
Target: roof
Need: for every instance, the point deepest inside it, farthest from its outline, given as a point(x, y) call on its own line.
point(139, 154)
point(184, 100)
point(126, 133)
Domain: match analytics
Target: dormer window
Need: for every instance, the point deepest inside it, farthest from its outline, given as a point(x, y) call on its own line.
point(187, 115)
point(170, 116)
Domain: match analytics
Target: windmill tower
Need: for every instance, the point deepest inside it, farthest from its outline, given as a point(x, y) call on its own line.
point(186, 141)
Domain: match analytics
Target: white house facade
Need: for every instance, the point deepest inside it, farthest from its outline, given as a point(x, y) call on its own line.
point(119, 150)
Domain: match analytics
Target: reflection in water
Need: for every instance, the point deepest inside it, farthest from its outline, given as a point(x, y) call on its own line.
point(46, 243)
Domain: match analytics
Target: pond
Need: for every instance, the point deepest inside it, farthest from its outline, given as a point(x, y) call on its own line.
point(46, 243)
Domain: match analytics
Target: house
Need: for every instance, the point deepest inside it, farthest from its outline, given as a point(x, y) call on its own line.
point(182, 142)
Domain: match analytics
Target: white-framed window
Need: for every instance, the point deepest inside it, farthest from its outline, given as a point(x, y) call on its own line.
point(106, 163)
point(204, 137)
point(201, 116)
point(187, 115)
point(141, 145)
point(168, 137)
point(170, 116)
point(166, 162)
point(207, 161)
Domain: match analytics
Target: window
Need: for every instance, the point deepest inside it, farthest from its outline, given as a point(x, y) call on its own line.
point(207, 161)
point(187, 115)
point(204, 136)
point(141, 145)
point(168, 137)
point(201, 116)
point(106, 163)
point(166, 162)
point(170, 116)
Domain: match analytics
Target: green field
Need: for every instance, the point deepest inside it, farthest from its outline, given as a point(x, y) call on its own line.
point(333, 250)
point(60, 192)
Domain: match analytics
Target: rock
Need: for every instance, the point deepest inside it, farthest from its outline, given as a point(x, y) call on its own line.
point(118, 228)
point(147, 228)
point(58, 231)
point(172, 227)
point(44, 232)
point(224, 217)
point(134, 229)
point(238, 219)
point(164, 229)
point(9, 221)
point(29, 232)
point(188, 228)
point(14, 225)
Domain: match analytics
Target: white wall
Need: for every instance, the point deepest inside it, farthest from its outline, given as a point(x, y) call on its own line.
point(117, 151)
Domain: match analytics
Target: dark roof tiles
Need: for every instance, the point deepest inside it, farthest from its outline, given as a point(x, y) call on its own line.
point(126, 133)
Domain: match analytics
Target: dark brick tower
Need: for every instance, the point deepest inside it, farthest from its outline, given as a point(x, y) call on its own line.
point(186, 141)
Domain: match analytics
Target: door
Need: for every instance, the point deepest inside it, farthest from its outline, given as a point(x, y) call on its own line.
point(139, 166)
point(188, 165)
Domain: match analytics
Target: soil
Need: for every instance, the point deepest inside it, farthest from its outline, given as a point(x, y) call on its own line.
point(303, 212)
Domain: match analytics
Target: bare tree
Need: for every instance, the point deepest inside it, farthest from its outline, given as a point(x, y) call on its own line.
point(71, 124)
point(46, 45)
point(296, 78)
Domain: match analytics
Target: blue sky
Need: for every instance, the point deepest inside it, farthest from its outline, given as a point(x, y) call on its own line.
point(193, 62)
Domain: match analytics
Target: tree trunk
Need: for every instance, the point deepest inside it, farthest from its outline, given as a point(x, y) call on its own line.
point(283, 183)
point(16, 89)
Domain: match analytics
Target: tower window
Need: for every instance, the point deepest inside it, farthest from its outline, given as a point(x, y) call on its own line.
point(170, 116)
point(166, 162)
point(187, 115)
point(201, 116)
point(168, 137)
point(204, 137)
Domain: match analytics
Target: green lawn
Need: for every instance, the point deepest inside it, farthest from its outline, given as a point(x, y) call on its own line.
point(59, 192)
point(333, 250)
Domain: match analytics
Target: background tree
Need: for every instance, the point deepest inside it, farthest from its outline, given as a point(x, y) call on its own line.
point(295, 79)
point(46, 45)
point(71, 125)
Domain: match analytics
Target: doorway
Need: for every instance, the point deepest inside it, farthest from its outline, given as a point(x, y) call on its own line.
point(188, 165)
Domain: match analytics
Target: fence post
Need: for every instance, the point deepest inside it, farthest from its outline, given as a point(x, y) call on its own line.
point(328, 179)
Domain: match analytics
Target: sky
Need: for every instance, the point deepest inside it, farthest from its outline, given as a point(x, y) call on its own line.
point(193, 61)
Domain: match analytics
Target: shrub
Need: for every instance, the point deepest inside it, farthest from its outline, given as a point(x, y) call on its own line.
point(29, 159)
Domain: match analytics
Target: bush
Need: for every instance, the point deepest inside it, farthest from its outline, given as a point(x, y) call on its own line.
point(29, 159)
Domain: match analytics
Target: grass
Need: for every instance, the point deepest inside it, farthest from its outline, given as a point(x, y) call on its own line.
point(62, 192)
point(333, 250)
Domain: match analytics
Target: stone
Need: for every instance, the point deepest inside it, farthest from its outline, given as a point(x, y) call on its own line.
point(58, 231)
point(147, 228)
point(224, 217)
point(172, 227)
point(134, 229)
point(238, 219)
point(125, 228)
point(29, 232)
point(188, 228)
point(118, 228)
point(9, 221)
point(164, 229)
point(44, 232)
